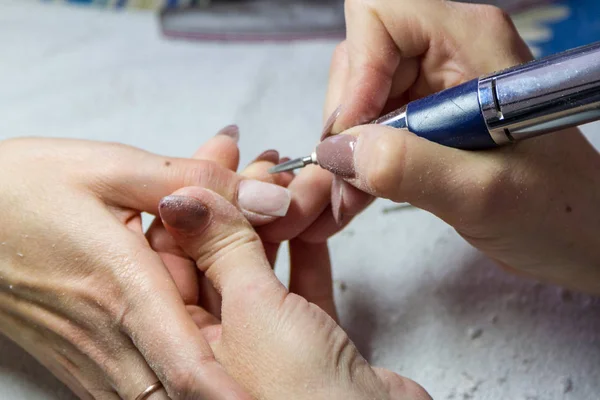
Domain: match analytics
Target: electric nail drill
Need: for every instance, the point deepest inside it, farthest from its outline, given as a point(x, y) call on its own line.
point(528, 100)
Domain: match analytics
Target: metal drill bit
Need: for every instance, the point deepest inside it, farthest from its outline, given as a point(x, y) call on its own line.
point(294, 164)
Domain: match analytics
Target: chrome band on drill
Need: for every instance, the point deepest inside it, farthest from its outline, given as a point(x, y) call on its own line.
point(492, 114)
point(557, 92)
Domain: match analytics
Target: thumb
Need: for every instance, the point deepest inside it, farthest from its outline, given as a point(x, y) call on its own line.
point(221, 241)
point(226, 248)
point(398, 165)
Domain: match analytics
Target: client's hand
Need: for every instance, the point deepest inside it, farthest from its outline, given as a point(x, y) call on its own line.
point(277, 344)
point(80, 287)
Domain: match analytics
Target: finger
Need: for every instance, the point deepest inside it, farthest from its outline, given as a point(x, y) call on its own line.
point(346, 201)
point(148, 309)
point(310, 214)
point(179, 265)
point(93, 360)
point(338, 76)
point(285, 177)
point(15, 329)
point(222, 242)
point(202, 318)
point(138, 180)
point(130, 374)
point(310, 274)
point(259, 170)
point(351, 202)
point(223, 150)
point(391, 44)
point(210, 327)
point(373, 60)
point(162, 330)
point(400, 166)
point(311, 191)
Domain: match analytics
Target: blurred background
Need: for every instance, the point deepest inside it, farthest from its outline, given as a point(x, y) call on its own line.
point(549, 26)
point(166, 75)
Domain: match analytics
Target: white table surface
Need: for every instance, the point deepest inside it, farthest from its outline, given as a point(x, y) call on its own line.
point(413, 288)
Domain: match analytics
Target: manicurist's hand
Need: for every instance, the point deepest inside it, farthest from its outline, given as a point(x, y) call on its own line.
point(277, 344)
point(532, 206)
point(82, 290)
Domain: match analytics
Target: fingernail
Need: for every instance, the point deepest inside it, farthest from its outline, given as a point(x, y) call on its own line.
point(268, 155)
point(184, 213)
point(264, 198)
point(337, 198)
point(233, 131)
point(336, 154)
point(330, 122)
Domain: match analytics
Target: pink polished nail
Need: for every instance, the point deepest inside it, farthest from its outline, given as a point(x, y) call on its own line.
point(184, 213)
point(330, 122)
point(337, 199)
point(232, 131)
point(268, 155)
point(336, 154)
point(264, 198)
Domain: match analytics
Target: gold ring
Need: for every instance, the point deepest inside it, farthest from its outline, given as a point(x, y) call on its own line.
point(149, 390)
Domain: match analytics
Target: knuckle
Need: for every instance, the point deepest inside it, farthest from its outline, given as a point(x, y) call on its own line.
point(201, 173)
point(182, 380)
point(340, 355)
point(344, 356)
point(496, 19)
point(226, 244)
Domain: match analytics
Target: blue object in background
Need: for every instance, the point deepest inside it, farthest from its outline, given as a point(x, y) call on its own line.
point(582, 27)
point(579, 26)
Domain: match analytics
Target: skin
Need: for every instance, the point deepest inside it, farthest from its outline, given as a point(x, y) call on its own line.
point(237, 301)
point(531, 206)
point(110, 310)
point(277, 343)
point(81, 289)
